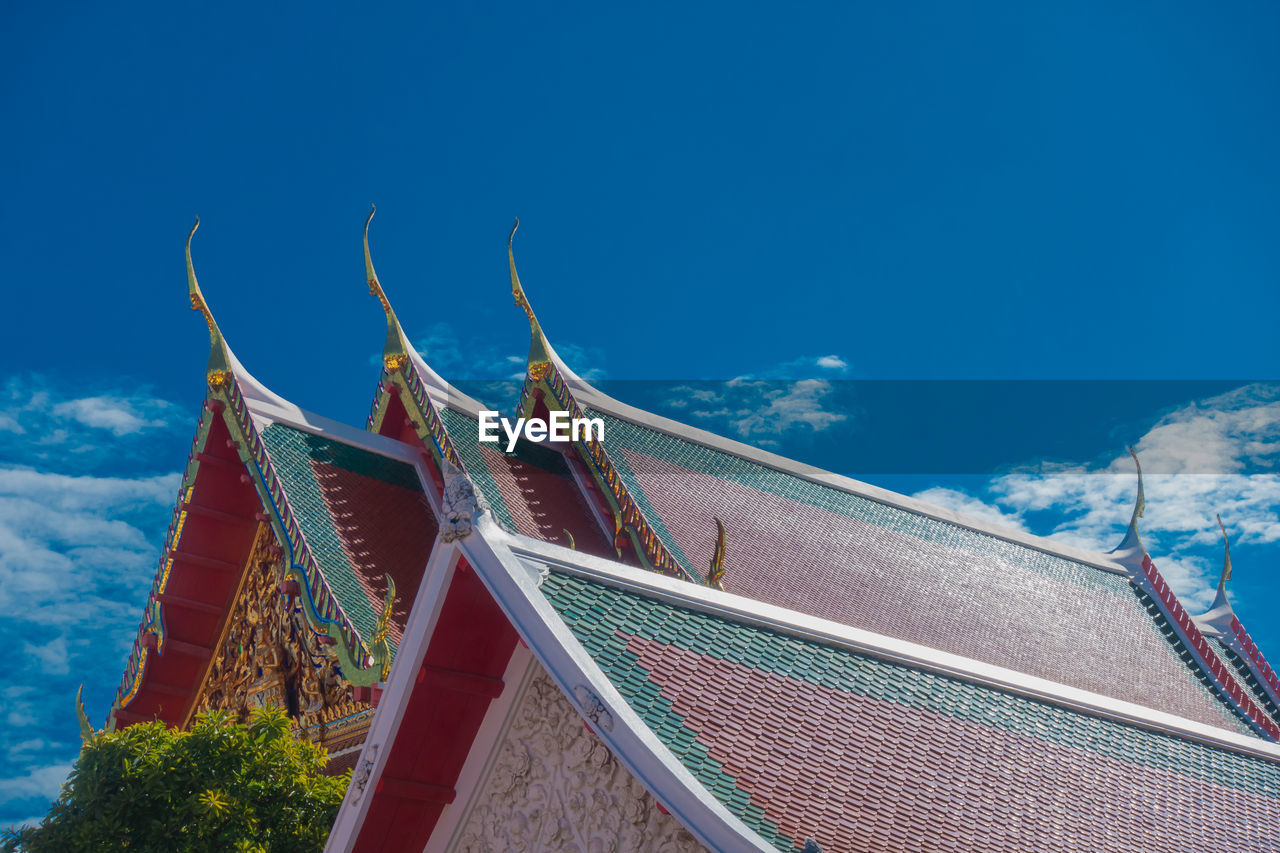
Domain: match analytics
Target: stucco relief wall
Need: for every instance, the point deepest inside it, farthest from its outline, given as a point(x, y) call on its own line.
point(556, 787)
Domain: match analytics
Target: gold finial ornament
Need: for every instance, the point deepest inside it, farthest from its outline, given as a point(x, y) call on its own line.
point(380, 646)
point(715, 577)
point(539, 358)
point(395, 350)
point(219, 361)
point(1226, 557)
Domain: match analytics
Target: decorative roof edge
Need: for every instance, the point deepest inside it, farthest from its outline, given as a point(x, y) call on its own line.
point(324, 613)
point(1187, 631)
point(548, 375)
point(592, 398)
point(629, 519)
point(152, 615)
point(1150, 581)
point(1222, 623)
point(239, 398)
point(749, 611)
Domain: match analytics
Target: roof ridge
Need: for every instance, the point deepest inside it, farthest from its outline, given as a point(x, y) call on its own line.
point(593, 398)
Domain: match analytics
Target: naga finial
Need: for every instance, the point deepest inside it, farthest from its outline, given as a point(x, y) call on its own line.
point(715, 577)
point(1141, 503)
point(380, 646)
point(394, 350)
point(538, 356)
point(218, 360)
point(1131, 547)
point(86, 728)
point(1226, 558)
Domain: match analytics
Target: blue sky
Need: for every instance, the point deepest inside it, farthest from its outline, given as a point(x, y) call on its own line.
point(802, 202)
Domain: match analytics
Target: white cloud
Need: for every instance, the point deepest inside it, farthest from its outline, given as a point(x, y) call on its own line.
point(78, 551)
point(51, 655)
point(973, 507)
point(832, 362)
point(38, 782)
point(44, 424)
point(799, 403)
point(758, 409)
point(1209, 457)
point(119, 417)
point(8, 423)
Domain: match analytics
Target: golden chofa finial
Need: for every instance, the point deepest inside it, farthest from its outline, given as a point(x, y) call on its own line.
point(219, 363)
point(539, 356)
point(395, 351)
point(1226, 558)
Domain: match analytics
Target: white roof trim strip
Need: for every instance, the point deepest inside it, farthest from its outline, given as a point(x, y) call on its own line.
point(737, 608)
point(514, 586)
point(589, 397)
point(301, 419)
point(380, 739)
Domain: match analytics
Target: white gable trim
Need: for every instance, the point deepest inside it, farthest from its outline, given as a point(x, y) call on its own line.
point(515, 588)
point(400, 683)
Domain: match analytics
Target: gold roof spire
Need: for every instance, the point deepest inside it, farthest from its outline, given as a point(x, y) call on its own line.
point(395, 351)
point(1226, 559)
point(539, 349)
point(219, 357)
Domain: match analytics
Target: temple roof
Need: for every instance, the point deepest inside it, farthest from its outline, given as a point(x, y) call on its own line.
point(878, 668)
point(759, 726)
point(348, 508)
point(805, 738)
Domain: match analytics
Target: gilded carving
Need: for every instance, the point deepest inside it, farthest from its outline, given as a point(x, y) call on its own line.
point(555, 786)
point(268, 656)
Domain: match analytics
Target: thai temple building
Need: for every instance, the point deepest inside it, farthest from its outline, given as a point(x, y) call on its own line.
point(661, 639)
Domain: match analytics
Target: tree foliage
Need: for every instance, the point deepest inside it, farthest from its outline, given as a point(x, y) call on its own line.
point(221, 786)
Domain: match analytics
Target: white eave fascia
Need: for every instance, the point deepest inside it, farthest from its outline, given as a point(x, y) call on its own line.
point(283, 412)
point(401, 681)
point(749, 611)
point(588, 397)
point(514, 587)
point(292, 416)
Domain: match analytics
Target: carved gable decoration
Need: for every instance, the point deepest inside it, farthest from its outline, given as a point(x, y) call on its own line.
point(555, 786)
point(268, 656)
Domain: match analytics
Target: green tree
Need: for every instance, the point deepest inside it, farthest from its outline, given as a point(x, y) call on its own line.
point(221, 786)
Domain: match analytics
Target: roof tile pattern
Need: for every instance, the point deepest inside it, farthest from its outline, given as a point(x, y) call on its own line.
point(859, 562)
point(531, 490)
point(363, 514)
point(800, 739)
